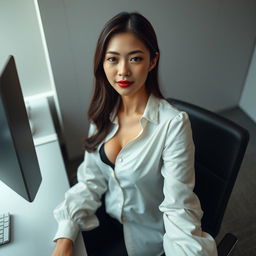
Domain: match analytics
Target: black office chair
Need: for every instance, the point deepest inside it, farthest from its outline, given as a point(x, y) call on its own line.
point(220, 145)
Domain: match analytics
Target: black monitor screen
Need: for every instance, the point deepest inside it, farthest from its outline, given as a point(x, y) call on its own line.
point(19, 168)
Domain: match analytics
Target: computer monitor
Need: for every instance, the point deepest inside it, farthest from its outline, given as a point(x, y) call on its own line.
point(19, 167)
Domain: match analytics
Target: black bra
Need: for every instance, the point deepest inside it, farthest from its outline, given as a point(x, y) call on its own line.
point(104, 157)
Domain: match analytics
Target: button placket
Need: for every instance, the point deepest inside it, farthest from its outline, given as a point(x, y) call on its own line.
point(120, 204)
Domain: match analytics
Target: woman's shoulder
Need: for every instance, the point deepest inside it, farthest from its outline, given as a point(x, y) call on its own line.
point(167, 112)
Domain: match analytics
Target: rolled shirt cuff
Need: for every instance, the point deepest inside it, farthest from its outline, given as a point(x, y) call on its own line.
point(67, 229)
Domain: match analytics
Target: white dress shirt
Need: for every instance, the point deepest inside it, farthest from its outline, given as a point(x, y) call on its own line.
point(150, 190)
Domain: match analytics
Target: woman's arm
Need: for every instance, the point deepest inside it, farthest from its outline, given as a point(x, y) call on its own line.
point(77, 211)
point(64, 247)
point(181, 207)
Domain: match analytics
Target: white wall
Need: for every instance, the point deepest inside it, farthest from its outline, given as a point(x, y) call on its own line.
point(248, 98)
point(205, 45)
point(20, 36)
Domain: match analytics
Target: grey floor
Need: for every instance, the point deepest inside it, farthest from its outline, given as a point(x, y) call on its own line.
point(240, 215)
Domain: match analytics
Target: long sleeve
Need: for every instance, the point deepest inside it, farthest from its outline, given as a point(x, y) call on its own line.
point(181, 207)
point(77, 211)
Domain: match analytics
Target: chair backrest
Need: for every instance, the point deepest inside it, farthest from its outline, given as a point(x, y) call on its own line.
point(220, 145)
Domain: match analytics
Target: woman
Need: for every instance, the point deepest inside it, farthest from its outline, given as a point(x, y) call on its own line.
point(139, 152)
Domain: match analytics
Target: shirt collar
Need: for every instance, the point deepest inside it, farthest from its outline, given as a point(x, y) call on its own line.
point(150, 112)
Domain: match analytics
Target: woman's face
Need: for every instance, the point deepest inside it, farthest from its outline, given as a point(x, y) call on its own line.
point(127, 64)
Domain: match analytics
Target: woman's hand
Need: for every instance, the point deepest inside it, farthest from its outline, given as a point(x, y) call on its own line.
point(64, 247)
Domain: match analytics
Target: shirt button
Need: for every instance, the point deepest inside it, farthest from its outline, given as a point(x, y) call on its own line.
point(121, 159)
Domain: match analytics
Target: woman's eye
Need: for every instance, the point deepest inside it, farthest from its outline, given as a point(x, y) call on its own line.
point(111, 59)
point(136, 59)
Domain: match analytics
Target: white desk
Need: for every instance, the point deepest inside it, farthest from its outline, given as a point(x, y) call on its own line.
point(33, 224)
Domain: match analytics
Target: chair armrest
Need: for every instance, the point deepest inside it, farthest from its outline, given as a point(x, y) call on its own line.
point(227, 245)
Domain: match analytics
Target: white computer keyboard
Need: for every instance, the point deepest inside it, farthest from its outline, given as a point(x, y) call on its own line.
point(5, 224)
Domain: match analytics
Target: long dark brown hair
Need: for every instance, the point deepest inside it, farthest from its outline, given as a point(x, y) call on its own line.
point(104, 96)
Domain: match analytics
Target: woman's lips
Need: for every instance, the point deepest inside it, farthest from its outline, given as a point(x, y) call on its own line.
point(124, 83)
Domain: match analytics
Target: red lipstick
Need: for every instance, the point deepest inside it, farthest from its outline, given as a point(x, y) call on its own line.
point(124, 83)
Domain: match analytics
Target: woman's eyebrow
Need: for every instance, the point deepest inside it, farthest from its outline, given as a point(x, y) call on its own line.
point(130, 53)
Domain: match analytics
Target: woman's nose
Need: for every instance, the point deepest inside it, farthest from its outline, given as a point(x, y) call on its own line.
point(123, 69)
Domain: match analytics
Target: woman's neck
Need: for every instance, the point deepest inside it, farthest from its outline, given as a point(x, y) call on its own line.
point(134, 104)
